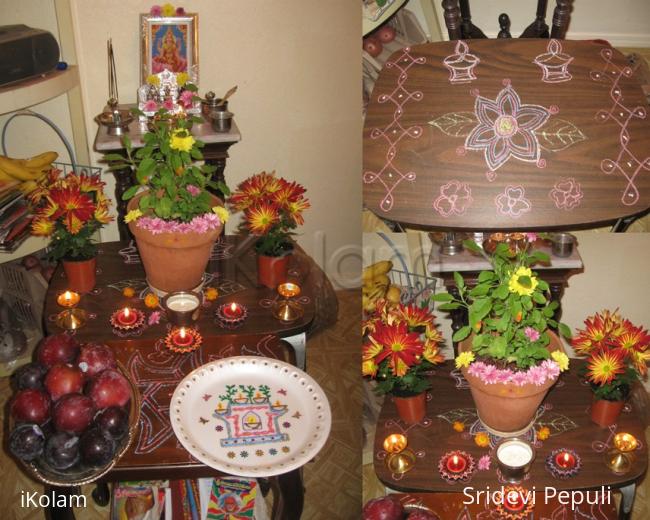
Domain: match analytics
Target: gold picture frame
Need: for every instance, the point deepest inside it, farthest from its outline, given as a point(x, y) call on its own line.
point(169, 43)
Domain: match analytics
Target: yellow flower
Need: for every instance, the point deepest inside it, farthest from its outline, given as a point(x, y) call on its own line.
point(181, 140)
point(369, 368)
point(519, 286)
point(168, 10)
point(154, 80)
point(464, 359)
point(458, 426)
point(561, 359)
point(543, 433)
point(129, 292)
point(222, 213)
point(132, 215)
point(482, 440)
point(151, 300)
point(211, 294)
point(181, 79)
point(42, 227)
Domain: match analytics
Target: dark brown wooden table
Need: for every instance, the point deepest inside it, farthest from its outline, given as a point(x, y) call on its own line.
point(215, 153)
point(507, 134)
point(232, 271)
point(565, 411)
point(156, 454)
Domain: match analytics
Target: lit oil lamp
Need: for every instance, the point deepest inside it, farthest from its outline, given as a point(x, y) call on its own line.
point(127, 319)
point(456, 463)
point(286, 310)
point(68, 299)
point(565, 460)
point(231, 315)
point(625, 442)
point(563, 463)
point(71, 319)
point(618, 462)
point(456, 466)
point(183, 340)
point(400, 459)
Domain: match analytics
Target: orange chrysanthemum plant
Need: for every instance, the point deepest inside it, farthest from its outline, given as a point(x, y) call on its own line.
point(401, 344)
point(70, 209)
point(273, 208)
point(617, 354)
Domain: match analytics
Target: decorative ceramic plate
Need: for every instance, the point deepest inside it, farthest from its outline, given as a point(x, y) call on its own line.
point(250, 416)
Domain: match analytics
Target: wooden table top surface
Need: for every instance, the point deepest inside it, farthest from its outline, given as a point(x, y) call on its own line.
point(231, 270)
point(156, 372)
point(507, 134)
point(565, 412)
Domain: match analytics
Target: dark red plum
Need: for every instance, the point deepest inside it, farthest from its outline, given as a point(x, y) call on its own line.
point(96, 448)
point(26, 442)
point(62, 450)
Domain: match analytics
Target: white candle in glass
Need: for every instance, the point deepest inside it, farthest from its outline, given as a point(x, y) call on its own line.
point(514, 453)
point(182, 302)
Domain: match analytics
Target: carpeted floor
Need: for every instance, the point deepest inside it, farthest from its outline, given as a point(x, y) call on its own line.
point(332, 480)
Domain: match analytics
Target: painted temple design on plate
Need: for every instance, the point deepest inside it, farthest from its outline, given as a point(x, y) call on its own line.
point(250, 416)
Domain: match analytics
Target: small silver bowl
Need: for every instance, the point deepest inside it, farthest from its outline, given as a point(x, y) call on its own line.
point(221, 121)
point(515, 457)
point(562, 244)
point(182, 308)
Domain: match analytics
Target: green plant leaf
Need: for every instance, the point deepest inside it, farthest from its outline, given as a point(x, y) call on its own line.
point(480, 290)
point(442, 297)
point(458, 278)
point(448, 306)
point(472, 246)
point(565, 330)
point(497, 348)
point(539, 298)
point(462, 333)
point(501, 292)
point(130, 193)
point(111, 157)
point(486, 276)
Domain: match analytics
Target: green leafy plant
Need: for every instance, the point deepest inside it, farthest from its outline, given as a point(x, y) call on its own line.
point(509, 310)
point(167, 166)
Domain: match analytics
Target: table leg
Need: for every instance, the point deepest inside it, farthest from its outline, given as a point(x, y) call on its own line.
point(60, 495)
point(123, 181)
point(627, 501)
point(101, 494)
point(288, 495)
point(459, 317)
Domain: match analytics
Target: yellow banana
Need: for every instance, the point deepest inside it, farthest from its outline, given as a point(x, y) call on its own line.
point(14, 168)
point(375, 269)
point(393, 294)
point(381, 280)
point(27, 187)
point(41, 160)
point(4, 176)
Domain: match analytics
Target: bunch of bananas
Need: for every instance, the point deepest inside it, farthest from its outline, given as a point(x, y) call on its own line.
point(376, 285)
point(28, 171)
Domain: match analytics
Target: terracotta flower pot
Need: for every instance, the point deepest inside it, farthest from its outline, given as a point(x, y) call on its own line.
point(80, 274)
point(411, 409)
point(173, 261)
point(605, 413)
point(272, 270)
point(506, 408)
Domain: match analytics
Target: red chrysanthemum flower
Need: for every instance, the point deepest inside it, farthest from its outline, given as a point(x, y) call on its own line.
point(631, 338)
point(402, 348)
point(75, 207)
point(604, 366)
point(261, 218)
point(414, 316)
point(598, 332)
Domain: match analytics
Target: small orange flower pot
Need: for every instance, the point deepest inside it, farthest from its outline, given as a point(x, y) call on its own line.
point(411, 409)
point(80, 274)
point(605, 413)
point(272, 270)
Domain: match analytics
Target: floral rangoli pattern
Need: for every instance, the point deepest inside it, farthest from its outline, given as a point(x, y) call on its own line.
point(455, 197)
point(566, 194)
point(513, 202)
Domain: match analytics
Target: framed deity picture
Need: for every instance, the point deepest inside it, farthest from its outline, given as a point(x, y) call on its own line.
point(169, 43)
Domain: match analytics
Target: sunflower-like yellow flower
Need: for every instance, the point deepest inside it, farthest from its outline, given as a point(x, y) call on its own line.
point(458, 426)
point(168, 10)
point(154, 80)
point(42, 227)
point(132, 215)
point(222, 213)
point(369, 368)
point(151, 301)
point(482, 440)
point(561, 359)
point(464, 359)
point(129, 292)
point(543, 433)
point(181, 140)
point(181, 79)
point(211, 294)
point(518, 286)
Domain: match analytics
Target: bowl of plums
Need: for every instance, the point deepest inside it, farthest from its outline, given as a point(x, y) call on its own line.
point(73, 413)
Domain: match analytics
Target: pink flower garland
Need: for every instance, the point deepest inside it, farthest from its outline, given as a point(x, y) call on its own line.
point(548, 370)
point(200, 224)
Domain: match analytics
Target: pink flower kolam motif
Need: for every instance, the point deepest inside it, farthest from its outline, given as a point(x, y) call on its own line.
point(626, 163)
point(455, 197)
point(512, 202)
point(566, 194)
point(554, 63)
point(390, 176)
point(461, 64)
point(506, 129)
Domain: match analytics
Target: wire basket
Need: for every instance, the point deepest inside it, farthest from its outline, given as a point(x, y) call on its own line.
point(417, 289)
point(78, 169)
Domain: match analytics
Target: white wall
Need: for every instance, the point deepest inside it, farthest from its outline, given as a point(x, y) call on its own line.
point(298, 68)
point(27, 136)
point(623, 23)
